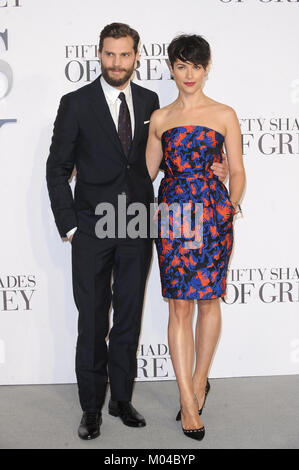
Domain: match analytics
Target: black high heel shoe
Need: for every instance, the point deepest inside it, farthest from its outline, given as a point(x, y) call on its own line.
point(197, 434)
point(208, 386)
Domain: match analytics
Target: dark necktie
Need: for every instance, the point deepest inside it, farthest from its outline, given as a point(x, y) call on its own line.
point(124, 124)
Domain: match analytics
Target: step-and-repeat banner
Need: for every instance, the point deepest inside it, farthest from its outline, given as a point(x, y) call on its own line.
point(48, 48)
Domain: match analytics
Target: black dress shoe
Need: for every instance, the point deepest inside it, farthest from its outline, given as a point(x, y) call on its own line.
point(127, 413)
point(90, 425)
point(208, 386)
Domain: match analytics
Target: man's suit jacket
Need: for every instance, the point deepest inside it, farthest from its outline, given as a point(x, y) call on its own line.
point(85, 135)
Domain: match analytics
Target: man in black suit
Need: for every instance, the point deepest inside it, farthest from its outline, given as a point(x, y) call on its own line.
point(102, 129)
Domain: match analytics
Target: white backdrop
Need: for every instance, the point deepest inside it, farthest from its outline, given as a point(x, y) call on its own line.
point(48, 48)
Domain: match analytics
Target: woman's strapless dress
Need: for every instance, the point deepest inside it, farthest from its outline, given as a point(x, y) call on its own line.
point(191, 270)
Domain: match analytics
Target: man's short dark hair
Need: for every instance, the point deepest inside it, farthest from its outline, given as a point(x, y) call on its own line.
point(119, 30)
point(189, 48)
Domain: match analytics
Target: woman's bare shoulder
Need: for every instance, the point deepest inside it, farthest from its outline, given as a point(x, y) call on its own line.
point(160, 115)
point(227, 117)
point(218, 106)
point(222, 108)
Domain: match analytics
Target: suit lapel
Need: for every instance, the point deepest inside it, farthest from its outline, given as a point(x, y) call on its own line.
point(101, 109)
point(138, 116)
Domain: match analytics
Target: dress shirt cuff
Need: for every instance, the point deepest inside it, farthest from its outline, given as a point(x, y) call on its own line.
point(71, 232)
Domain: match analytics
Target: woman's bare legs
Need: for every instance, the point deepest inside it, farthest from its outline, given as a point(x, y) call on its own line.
point(207, 332)
point(181, 347)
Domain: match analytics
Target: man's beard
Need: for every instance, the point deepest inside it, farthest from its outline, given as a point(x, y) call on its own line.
point(116, 82)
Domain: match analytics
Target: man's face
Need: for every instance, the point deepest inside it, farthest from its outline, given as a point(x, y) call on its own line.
point(118, 60)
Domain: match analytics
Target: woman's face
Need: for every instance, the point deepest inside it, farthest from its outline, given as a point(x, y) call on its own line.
point(189, 77)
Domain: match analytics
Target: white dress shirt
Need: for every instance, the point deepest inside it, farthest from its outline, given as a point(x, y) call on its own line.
point(113, 101)
point(111, 95)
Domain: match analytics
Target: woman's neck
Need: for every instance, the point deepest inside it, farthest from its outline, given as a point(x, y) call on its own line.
point(187, 101)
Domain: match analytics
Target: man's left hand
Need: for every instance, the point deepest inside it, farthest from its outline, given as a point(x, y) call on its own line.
point(221, 169)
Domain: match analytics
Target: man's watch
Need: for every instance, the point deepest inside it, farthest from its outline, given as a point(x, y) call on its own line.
point(237, 207)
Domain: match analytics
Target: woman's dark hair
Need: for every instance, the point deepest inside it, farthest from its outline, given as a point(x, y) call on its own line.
point(119, 30)
point(189, 48)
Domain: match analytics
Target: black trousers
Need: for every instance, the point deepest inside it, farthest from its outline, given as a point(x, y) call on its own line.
point(94, 261)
